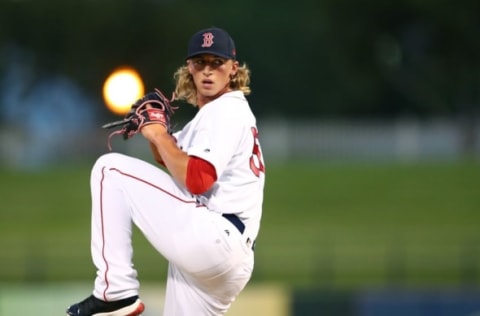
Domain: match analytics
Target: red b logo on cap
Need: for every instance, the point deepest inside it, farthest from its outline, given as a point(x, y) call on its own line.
point(207, 39)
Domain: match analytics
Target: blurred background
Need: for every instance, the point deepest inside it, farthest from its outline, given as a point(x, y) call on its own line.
point(368, 114)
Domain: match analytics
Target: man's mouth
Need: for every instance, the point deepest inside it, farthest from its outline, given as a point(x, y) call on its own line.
point(207, 82)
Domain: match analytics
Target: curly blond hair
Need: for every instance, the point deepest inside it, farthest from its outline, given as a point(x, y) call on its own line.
point(185, 88)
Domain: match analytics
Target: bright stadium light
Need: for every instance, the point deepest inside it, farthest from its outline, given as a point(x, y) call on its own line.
point(121, 89)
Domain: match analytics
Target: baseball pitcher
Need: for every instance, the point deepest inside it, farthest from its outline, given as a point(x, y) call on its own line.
point(200, 207)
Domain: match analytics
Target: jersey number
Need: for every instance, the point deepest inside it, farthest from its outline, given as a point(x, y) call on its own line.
point(256, 160)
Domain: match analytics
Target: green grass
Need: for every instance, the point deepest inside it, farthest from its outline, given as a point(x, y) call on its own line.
point(339, 226)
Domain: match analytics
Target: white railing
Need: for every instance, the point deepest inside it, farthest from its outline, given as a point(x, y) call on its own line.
point(399, 140)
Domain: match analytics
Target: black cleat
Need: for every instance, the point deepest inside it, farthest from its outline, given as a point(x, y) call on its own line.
point(92, 306)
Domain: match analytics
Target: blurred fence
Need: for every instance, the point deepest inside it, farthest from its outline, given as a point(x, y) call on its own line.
point(370, 140)
point(400, 140)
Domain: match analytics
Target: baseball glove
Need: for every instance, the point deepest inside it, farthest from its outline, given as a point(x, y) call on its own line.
point(159, 111)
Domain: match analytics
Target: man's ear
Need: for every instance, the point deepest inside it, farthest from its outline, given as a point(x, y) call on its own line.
point(235, 66)
point(189, 66)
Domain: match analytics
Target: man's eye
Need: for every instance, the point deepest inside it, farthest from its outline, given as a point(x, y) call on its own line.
point(217, 62)
point(213, 63)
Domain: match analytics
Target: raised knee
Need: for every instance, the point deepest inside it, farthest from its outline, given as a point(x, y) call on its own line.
point(108, 159)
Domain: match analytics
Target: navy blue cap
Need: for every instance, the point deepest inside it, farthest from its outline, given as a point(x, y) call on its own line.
point(213, 41)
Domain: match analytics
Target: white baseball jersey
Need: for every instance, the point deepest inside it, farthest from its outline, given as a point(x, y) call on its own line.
point(224, 133)
point(210, 260)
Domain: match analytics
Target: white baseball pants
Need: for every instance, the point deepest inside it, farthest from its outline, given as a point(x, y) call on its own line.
point(209, 259)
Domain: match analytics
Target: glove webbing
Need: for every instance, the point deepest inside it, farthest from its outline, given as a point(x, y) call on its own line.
point(165, 107)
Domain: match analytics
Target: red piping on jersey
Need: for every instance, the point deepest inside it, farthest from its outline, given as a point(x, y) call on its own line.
point(152, 185)
point(102, 222)
point(103, 237)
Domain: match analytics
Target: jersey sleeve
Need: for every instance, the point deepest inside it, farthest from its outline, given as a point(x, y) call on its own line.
point(217, 139)
point(201, 175)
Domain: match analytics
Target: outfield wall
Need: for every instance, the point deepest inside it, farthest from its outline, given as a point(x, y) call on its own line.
point(52, 299)
point(263, 300)
point(387, 302)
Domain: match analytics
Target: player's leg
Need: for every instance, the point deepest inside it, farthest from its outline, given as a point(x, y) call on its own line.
point(210, 258)
point(117, 182)
point(192, 237)
point(126, 190)
point(189, 295)
point(201, 243)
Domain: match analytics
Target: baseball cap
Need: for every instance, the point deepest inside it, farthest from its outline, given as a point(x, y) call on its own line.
point(215, 41)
